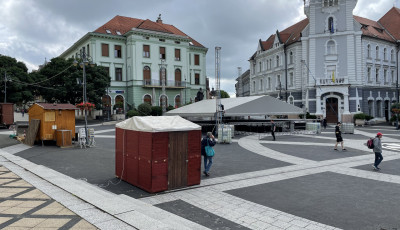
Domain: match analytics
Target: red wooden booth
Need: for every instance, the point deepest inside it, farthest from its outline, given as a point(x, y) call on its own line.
point(158, 153)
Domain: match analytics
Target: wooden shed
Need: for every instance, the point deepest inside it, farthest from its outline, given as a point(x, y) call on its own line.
point(158, 153)
point(52, 117)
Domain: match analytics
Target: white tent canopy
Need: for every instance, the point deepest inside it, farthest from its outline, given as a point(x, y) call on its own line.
point(241, 106)
point(157, 124)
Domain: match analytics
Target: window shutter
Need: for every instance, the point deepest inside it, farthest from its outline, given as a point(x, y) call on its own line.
point(104, 50)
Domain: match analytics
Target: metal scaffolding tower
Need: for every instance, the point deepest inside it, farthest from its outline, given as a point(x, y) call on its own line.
point(218, 109)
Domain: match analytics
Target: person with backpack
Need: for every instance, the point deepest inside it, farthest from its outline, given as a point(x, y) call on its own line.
point(378, 151)
point(339, 138)
point(209, 140)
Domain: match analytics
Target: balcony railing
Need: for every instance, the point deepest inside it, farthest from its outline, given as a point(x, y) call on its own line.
point(328, 81)
point(169, 83)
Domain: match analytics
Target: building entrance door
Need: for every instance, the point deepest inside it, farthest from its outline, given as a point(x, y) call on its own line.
point(332, 110)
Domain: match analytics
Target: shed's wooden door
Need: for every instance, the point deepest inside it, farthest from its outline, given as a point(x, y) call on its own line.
point(177, 160)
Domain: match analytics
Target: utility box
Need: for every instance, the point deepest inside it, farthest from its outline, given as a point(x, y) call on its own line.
point(52, 117)
point(6, 114)
point(158, 153)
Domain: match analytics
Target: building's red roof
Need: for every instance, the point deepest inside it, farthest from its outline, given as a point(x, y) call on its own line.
point(287, 36)
point(373, 29)
point(124, 24)
point(57, 106)
point(391, 22)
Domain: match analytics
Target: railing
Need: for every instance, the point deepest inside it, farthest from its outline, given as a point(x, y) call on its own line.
point(158, 83)
point(328, 81)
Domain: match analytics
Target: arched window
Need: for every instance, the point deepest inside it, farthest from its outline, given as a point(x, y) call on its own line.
point(331, 47)
point(331, 25)
point(260, 66)
point(147, 99)
point(385, 54)
point(166, 100)
point(178, 78)
point(291, 57)
point(147, 75)
point(377, 52)
point(119, 104)
point(163, 70)
point(254, 86)
point(270, 63)
point(261, 84)
point(277, 61)
point(177, 101)
point(368, 51)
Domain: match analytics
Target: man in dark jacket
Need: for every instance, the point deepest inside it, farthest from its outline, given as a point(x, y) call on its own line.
point(339, 138)
point(207, 160)
point(378, 151)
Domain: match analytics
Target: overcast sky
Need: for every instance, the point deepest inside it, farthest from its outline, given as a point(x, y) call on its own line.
point(32, 30)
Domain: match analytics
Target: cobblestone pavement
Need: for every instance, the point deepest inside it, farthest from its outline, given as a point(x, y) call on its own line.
point(296, 182)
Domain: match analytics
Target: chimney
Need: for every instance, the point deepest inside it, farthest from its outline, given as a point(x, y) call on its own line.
point(159, 19)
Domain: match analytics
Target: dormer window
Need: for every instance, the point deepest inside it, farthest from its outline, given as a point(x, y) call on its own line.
point(108, 31)
point(119, 33)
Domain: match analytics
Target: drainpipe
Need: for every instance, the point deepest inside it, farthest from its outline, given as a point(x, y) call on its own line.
point(286, 66)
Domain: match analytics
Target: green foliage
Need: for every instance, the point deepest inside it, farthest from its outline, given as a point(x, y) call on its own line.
point(224, 94)
point(118, 105)
point(132, 113)
point(360, 116)
point(156, 111)
point(64, 87)
point(368, 117)
point(18, 89)
point(393, 118)
point(144, 109)
point(170, 107)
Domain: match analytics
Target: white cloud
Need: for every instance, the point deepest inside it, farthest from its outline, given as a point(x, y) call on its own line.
point(49, 27)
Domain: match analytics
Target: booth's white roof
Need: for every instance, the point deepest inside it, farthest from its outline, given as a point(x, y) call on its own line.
point(241, 106)
point(158, 124)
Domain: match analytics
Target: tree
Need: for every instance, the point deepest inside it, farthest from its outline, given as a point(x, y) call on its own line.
point(224, 94)
point(60, 82)
point(144, 109)
point(17, 85)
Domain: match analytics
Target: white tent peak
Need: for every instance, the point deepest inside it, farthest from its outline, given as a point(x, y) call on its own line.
point(158, 124)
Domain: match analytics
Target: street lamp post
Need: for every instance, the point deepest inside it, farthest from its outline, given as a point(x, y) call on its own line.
point(163, 82)
point(84, 59)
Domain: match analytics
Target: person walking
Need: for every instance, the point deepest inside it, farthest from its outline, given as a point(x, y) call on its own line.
point(273, 128)
point(324, 123)
point(339, 138)
point(378, 151)
point(208, 140)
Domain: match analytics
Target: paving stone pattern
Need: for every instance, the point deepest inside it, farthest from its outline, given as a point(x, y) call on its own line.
point(22, 206)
